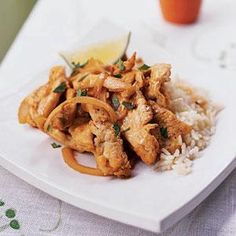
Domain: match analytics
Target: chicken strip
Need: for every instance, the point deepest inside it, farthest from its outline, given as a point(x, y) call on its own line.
point(110, 155)
point(136, 130)
point(109, 152)
point(124, 66)
point(36, 107)
point(170, 128)
point(70, 125)
point(65, 117)
point(81, 136)
point(91, 84)
point(160, 73)
point(115, 85)
point(87, 81)
point(135, 79)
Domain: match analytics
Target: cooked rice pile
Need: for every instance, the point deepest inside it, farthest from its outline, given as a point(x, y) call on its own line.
point(185, 103)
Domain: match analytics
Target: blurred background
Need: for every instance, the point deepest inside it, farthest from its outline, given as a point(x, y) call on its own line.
point(13, 14)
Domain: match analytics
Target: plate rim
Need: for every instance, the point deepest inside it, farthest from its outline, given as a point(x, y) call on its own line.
point(156, 226)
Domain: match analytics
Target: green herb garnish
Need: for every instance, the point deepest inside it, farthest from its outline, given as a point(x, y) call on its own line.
point(2, 203)
point(144, 67)
point(49, 128)
point(55, 145)
point(81, 92)
point(60, 89)
point(116, 128)
point(82, 78)
point(126, 130)
point(78, 65)
point(115, 102)
point(10, 213)
point(117, 76)
point(120, 65)
point(128, 105)
point(14, 224)
point(164, 132)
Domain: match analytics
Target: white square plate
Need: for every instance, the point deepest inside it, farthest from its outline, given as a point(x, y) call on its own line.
point(150, 200)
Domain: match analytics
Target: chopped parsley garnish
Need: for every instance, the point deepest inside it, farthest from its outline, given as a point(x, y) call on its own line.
point(81, 92)
point(60, 89)
point(115, 102)
point(128, 105)
point(14, 224)
point(120, 65)
point(55, 145)
point(117, 76)
point(10, 213)
point(126, 130)
point(116, 128)
point(78, 65)
point(82, 78)
point(144, 67)
point(48, 128)
point(164, 132)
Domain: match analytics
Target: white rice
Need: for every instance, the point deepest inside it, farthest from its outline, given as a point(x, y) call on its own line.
point(203, 122)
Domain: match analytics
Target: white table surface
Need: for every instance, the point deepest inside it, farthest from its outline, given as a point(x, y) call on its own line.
point(53, 24)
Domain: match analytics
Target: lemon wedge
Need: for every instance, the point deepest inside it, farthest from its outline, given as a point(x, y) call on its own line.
point(107, 51)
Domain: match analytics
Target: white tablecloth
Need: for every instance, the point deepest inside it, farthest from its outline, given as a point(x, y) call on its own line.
point(211, 43)
point(40, 214)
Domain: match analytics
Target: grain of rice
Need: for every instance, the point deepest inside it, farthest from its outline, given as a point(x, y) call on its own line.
point(185, 105)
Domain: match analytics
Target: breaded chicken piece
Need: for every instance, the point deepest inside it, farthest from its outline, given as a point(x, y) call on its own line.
point(81, 136)
point(127, 85)
point(72, 130)
point(135, 79)
point(110, 155)
point(170, 128)
point(87, 81)
point(137, 131)
point(115, 85)
point(124, 67)
point(160, 73)
point(109, 151)
point(36, 107)
point(65, 117)
point(130, 63)
point(92, 84)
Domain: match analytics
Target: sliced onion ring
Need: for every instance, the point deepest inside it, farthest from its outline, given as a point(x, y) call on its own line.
point(84, 100)
point(68, 156)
